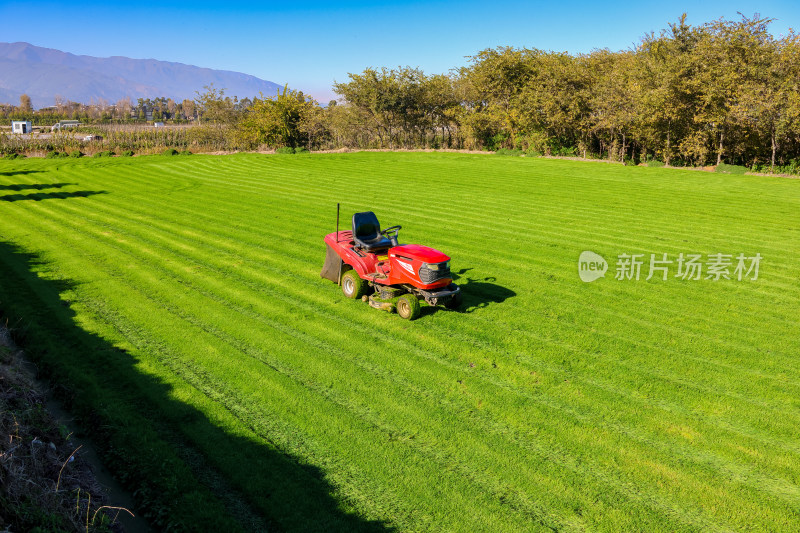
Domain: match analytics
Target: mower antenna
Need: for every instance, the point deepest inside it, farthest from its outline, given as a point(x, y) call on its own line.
point(337, 240)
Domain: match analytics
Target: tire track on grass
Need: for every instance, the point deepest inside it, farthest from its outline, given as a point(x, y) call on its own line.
point(292, 192)
point(738, 346)
point(200, 379)
point(624, 317)
point(593, 217)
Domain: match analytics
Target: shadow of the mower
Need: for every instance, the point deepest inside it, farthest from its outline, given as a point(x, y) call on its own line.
point(476, 293)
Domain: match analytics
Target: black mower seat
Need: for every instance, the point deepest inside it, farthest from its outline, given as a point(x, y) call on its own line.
point(367, 232)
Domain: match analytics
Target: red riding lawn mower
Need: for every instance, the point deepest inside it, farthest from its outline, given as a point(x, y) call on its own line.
point(370, 264)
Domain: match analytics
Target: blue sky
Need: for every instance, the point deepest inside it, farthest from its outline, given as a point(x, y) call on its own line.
point(310, 44)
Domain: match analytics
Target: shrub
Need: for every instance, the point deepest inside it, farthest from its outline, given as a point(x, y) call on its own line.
point(655, 163)
point(14, 155)
point(496, 141)
point(564, 151)
point(127, 153)
point(52, 155)
point(533, 153)
point(105, 153)
point(532, 142)
point(285, 150)
point(186, 152)
point(724, 168)
point(509, 152)
point(792, 168)
point(76, 153)
point(170, 151)
point(301, 150)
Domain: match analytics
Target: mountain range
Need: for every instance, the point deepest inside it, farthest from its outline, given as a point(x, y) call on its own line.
point(43, 73)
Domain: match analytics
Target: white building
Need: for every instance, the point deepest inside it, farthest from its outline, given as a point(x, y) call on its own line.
point(61, 124)
point(21, 126)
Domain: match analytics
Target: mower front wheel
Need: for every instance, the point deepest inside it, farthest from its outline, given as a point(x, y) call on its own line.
point(408, 307)
point(353, 286)
point(454, 302)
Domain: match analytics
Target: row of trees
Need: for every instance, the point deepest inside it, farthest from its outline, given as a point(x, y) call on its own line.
point(102, 112)
point(725, 91)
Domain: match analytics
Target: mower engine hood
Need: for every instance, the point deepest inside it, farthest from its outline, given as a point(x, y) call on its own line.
point(417, 251)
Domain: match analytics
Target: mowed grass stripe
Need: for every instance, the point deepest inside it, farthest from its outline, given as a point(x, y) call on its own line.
point(584, 473)
point(484, 318)
point(595, 237)
point(624, 317)
point(684, 380)
point(293, 192)
point(762, 278)
point(401, 170)
point(203, 379)
point(736, 330)
point(505, 206)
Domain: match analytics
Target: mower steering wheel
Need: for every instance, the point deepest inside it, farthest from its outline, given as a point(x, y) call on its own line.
point(394, 229)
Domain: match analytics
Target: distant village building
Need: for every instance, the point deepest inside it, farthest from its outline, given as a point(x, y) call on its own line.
point(21, 126)
point(61, 124)
point(158, 124)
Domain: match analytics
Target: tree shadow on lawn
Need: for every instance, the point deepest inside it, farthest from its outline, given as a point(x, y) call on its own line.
point(39, 196)
point(20, 172)
point(26, 186)
point(146, 437)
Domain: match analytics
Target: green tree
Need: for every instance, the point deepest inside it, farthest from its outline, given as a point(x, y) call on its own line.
point(376, 93)
point(554, 104)
point(767, 103)
point(189, 107)
point(212, 105)
point(492, 86)
point(25, 103)
point(276, 121)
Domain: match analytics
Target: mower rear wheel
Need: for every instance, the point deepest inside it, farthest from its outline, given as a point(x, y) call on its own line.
point(353, 286)
point(408, 307)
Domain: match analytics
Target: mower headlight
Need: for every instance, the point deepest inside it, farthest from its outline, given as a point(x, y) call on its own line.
point(438, 266)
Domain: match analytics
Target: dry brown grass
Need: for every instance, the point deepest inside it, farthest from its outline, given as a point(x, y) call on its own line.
point(44, 480)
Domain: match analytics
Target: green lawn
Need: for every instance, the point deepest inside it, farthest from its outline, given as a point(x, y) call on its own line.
point(179, 299)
